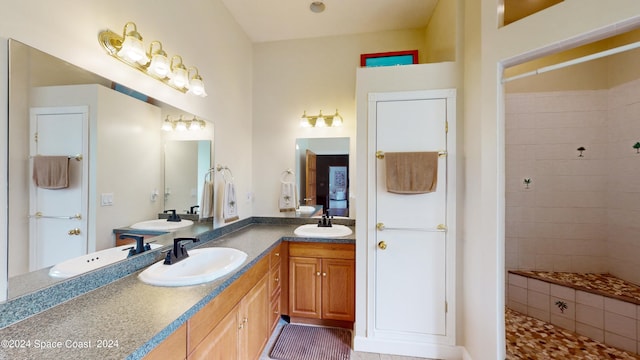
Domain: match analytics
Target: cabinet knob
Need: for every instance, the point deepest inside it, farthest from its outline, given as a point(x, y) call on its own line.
point(276, 280)
point(318, 273)
point(324, 274)
point(382, 245)
point(277, 254)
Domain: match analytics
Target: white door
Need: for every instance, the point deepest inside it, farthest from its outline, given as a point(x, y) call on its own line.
point(58, 221)
point(407, 233)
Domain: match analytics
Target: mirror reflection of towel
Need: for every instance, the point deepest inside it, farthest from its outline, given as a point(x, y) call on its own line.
point(206, 203)
point(411, 172)
point(51, 172)
point(229, 204)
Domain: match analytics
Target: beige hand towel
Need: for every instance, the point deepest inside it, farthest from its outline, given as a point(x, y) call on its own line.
point(51, 172)
point(206, 203)
point(411, 172)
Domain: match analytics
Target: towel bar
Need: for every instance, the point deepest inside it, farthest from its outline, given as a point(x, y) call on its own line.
point(78, 157)
point(440, 228)
point(380, 154)
point(39, 215)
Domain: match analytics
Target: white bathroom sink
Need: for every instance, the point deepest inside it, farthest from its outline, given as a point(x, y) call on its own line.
point(162, 225)
point(312, 230)
point(305, 209)
point(202, 265)
point(84, 263)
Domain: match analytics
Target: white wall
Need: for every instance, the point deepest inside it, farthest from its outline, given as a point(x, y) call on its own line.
point(217, 46)
point(486, 47)
point(312, 75)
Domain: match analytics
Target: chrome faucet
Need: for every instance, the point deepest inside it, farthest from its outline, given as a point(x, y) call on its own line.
point(140, 245)
point(178, 252)
point(173, 216)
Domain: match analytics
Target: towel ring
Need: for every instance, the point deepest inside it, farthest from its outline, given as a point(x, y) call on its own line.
point(209, 174)
point(227, 175)
point(285, 175)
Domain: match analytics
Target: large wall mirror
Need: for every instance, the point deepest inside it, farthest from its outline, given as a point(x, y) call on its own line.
point(322, 174)
point(116, 169)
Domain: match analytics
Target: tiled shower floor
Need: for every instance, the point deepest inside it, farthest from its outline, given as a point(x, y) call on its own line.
point(529, 338)
point(533, 339)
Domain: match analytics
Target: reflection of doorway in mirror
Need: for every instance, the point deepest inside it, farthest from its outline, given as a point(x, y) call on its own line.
point(57, 217)
point(331, 183)
point(338, 189)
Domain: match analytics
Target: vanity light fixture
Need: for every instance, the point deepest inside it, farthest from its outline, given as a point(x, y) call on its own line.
point(129, 49)
point(182, 124)
point(321, 120)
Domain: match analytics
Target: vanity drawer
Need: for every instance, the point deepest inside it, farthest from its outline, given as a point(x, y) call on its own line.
point(275, 255)
point(275, 279)
point(322, 250)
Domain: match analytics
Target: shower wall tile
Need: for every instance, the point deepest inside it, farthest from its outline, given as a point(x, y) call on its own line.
point(543, 131)
point(589, 315)
point(592, 332)
point(563, 292)
point(589, 299)
point(620, 342)
point(620, 325)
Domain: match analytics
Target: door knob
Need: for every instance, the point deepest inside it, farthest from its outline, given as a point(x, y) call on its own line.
point(380, 226)
point(75, 231)
point(382, 245)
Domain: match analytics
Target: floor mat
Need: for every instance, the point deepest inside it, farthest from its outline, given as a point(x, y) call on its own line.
point(302, 342)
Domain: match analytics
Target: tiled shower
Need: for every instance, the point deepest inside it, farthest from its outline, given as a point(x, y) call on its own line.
point(573, 205)
point(577, 213)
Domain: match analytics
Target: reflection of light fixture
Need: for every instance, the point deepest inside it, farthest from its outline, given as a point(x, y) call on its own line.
point(182, 124)
point(129, 49)
point(317, 6)
point(320, 120)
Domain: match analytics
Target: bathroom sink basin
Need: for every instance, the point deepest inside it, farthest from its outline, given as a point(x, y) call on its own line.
point(162, 225)
point(312, 230)
point(202, 265)
point(84, 263)
point(305, 209)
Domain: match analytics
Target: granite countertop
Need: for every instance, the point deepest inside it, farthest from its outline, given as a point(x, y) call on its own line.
point(127, 318)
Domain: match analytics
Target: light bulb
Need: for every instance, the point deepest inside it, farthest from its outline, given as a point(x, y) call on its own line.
point(132, 49)
point(196, 87)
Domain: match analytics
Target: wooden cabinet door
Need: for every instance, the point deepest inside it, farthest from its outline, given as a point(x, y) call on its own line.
point(304, 287)
point(338, 289)
point(254, 317)
point(222, 342)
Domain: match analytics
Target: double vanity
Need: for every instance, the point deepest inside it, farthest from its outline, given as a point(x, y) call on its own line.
point(128, 318)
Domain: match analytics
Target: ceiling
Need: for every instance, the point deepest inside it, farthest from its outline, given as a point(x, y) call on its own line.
point(292, 19)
